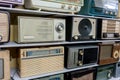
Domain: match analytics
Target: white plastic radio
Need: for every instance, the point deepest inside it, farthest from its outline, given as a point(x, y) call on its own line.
point(38, 29)
point(55, 5)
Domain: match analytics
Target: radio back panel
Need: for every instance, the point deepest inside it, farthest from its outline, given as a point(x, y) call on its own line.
point(4, 65)
point(35, 29)
point(108, 54)
point(42, 60)
point(105, 72)
point(4, 27)
point(55, 5)
point(103, 8)
point(80, 56)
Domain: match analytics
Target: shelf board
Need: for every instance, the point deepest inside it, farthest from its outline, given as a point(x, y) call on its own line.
point(37, 12)
point(14, 44)
point(16, 76)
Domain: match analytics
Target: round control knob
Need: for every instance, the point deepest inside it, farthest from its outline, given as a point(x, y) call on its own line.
point(0, 38)
point(63, 6)
point(80, 63)
point(81, 52)
point(109, 74)
point(116, 54)
point(106, 12)
point(76, 8)
point(69, 7)
point(60, 36)
point(59, 27)
point(76, 37)
point(111, 13)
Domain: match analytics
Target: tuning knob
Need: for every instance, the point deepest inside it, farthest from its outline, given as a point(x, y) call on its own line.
point(59, 27)
point(63, 6)
point(76, 8)
point(69, 7)
point(116, 54)
point(80, 63)
point(76, 37)
point(0, 38)
point(81, 52)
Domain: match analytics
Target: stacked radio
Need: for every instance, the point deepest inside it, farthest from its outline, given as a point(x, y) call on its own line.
point(78, 56)
point(11, 3)
point(4, 65)
point(41, 60)
point(81, 28)
point(4, 27)
point(41, 29)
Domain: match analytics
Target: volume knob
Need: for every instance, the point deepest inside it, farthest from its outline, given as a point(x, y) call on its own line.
point(59, 27)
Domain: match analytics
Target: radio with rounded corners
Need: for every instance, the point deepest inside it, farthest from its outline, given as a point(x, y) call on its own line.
point(38, 29)
point(108, 53)
point(105, 72)
point(78, 56)
point(85, 74)
point(4, 26)
point(72, 6)
point(108, 29)
point(81, 29)
point(52, 77)
point(4, 65)
point(10, 3)
point(42, 60)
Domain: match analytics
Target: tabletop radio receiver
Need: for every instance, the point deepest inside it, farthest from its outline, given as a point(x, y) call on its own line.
point(55, 5)
point(4, 65)
point(38, 29)
point(42, 60)
point(4, 27)
point(81, 29)
point(77, 56)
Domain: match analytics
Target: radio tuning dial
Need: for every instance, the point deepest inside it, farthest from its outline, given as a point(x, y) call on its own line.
point(116, 54)
point(59, 27)
point(80, 63)
point(63, 6)
point(81, 52)
point(0, 38)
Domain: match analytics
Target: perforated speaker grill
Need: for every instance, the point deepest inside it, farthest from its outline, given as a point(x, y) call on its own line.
point(85, 27)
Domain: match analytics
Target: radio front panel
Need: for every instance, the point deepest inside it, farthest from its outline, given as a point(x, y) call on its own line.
point(4, 27)
point(53, 77)
point(36, 29)
point(43, 60)
point(20, 2)
point(4, 65)
point(105, 72)
point(1, 68)
point(110, 29)
point(108, 54)
point(80, 56)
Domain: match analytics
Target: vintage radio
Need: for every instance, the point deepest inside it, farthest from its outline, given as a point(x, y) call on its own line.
point(105, 72)
point(4, 65)
point(108, 29)
point(4, 26)
point(108, 53)
point(117, 70)
point(55, 5)
point(81, 29)
point(86, 74)
point(53, 77)
point(77, 56)
point(38, 29)
point(106, 8)
point(41, 60)
point(10, 3)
